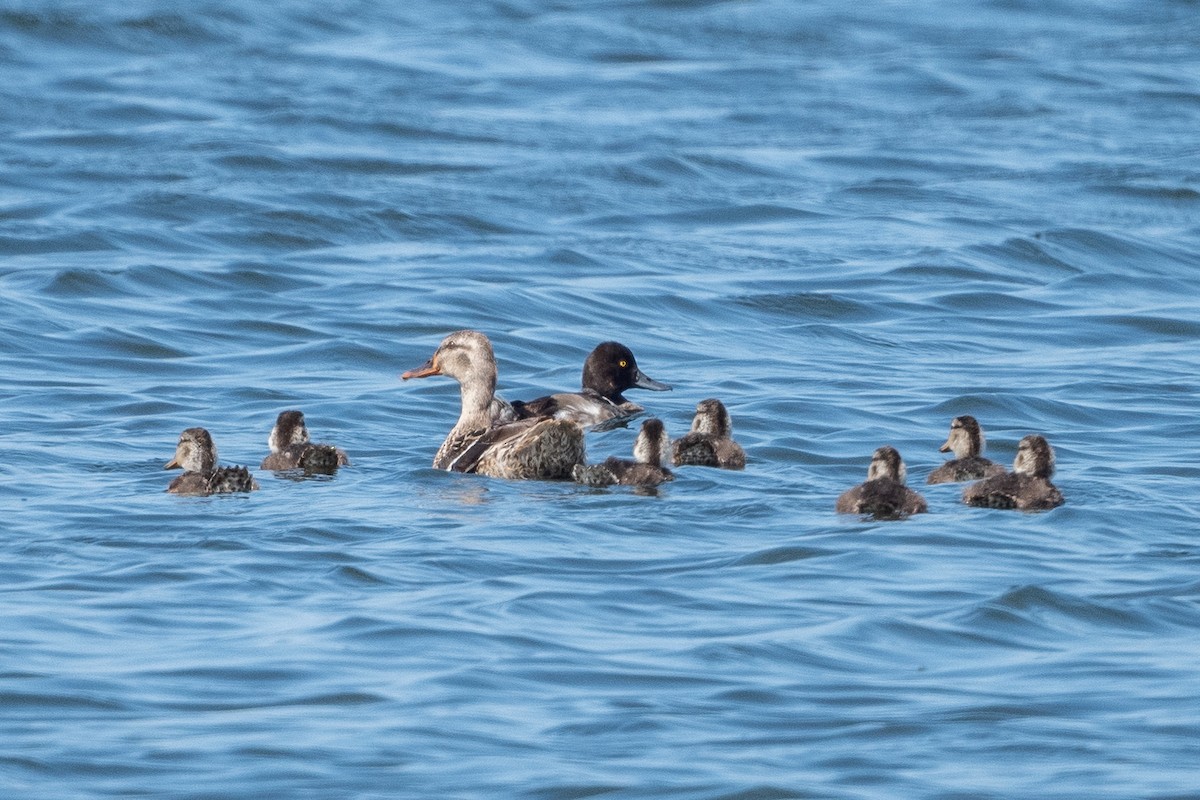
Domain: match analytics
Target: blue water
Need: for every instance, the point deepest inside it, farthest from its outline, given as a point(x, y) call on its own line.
point(851, 222)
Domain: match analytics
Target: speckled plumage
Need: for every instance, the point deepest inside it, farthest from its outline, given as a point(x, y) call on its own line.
point(650, 450)
point(884, 493)
point(709, 443)
point(196, 454)
point(609, 370)
point(967, 441)
point(291, 448)
point(526, 449)
point(1027, 487)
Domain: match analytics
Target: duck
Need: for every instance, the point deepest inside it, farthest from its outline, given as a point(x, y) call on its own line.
point(608, 371)
point(196, 454)
point(966, 440)
point(709, 443)
point(884, 493)
point(650, 450)
point(291, 448)
point(539, 448)
point(1027, 487)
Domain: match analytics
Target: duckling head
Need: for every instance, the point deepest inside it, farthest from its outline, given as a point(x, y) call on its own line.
point(712, 418)
point(195, 452)
point(289, 430)
point(652, 445)
point(1035, 457)
point(966, 438)
point(886, 463)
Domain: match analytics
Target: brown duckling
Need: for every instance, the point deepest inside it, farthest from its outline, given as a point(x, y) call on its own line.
point(966, 440)
point(884, 493)
point(650, 450)
point(291, 448)
point(1027, 487)
point(196, 454)
point(709, 443)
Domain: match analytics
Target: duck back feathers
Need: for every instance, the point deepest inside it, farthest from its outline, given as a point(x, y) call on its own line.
point(884, 494)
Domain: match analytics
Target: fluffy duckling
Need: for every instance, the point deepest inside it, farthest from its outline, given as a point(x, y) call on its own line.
point(533, 448)
point(967, 442)
point(196, 454)
point(710, 442)
point(884, 493)
point(609, 370)
point(291, 448)
point(1027, 487)
point(650, 450)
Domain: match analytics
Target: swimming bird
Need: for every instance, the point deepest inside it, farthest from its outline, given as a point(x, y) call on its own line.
point(608, 371)
point(196, 454)
point(1027, 487)
point(884, 493)
point(709, 443)
point(966, 440)
point(531, 448)
point(650, 450)
point(291, 448)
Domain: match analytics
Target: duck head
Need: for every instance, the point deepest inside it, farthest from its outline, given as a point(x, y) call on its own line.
point(886, 463)
point(289, 430)
point(712, 418)
point(610, 369)
point(966, 438)
point(195, 452)
point(652, 445)
point(1035, 457)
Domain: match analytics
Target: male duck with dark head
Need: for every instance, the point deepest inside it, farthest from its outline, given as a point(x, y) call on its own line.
point(651, 450)
point(196, 454)
point(884, 493)
point(609, 371)
point(967, 442)
point(709, 443)
point(1027, 487)
point(531, 448)
point(291, 448)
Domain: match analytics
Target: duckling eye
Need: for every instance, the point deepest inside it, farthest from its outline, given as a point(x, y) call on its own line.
point(623, 363)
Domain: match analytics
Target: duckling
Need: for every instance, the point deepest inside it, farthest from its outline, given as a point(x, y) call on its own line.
point(710, 442)
point(651, 448)
point(1027, 487)
point(609, 370)
point(196, 454)
point(884, 493)
point(967, 441)
point(291, 448)
point(532, 448)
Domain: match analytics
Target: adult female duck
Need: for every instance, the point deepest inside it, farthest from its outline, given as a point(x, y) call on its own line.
point(532, 448)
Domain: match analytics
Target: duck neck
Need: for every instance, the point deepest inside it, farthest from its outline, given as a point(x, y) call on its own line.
point(477, 397)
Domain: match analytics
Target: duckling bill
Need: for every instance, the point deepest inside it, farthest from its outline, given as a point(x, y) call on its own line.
point(884, 494)
point(196, 454)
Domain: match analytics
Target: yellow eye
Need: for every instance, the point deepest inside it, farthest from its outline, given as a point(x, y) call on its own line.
point(624, 363)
